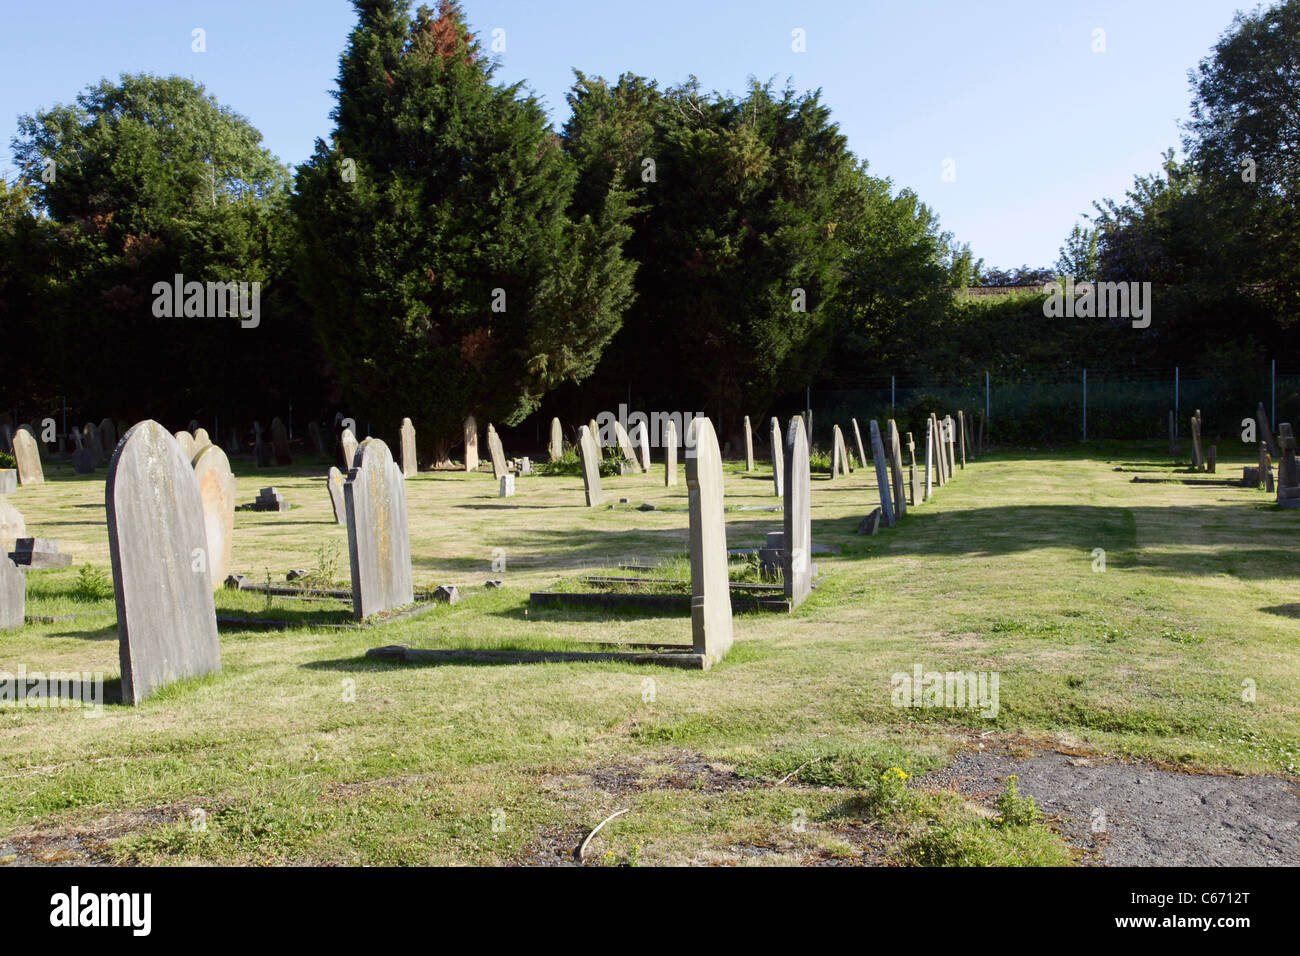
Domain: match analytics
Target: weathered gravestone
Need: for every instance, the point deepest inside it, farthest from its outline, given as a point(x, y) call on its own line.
point(12, 526)
point(711, 626)
point(796, 562)
point(201, 441)
point(882, 474)
point(929, 458)
point(895, 454)
point(379, 544)
point(13, 594)
point(1265, 432)
point(166, 620)
point(950, 438)
point(186, 441)
point(857, 440)
point(83, 460)
point(1198, 458)
point(217, 493)
point(39, 553)
point(749, 446)
point(556, 447)
point(92, 442)
point(643, 446)
point(261, 450)
point(1211, 457)
point(625, 446)
point(915, 489)
point(270, 499)
point(1288, 473)
point(839, 453)
point(471, 444)
point(280, 442)
point(335, 483)
point(507, 486)
point(778, 458)
point(499, 468)
point(348, 442)
point(589, 453)
point(410, 463)
point(28, 455)
point(669, 437)
point(6, 438)
point(961, 436)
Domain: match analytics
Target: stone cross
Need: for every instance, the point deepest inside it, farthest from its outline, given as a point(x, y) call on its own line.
point(711, 625)
point(589, 453)
point(166, 619)
point(410, 461)
point(796, 562)
point(882, 474)
point(217, 495)
point(379, 544)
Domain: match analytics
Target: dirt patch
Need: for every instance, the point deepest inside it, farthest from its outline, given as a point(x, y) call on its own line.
point(84, 844)
point(1131, 813)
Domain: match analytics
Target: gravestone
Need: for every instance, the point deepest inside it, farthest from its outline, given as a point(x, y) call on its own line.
point(940, 451)
point(507, 486)
point(348, 442)
point(961, 436)
point(410, 463)
point(871, 523)
point(643, 445)
point(839, 453)
point(12, 526)
point(525, 466)
point(83, 461)
point(39, 553)
point(335, 483)
point(950, 438)
point(13, 594)
point(625, 446)
point(1269, 485)
point(556, 447)
point(882, 474)
point(270, 499)
point(670, 453)
point(497, 453)
point(1264, 430)
point(28, 455)
point(778, 459)
point(749, 446)
point(1197, 458)
point(379, 544)
point(280, 442)
point(895, 452)
point(261, 451)
point(1211, 458)
point(711, 626)
point(166, 620)
point(186, 441)
point(92, 442)
point(796, 562)
point(589, 453)
point(595, 434)
point(202, 441)
point(857, 439)
point(929, 458)
point(915, 489)
point(471, 444)
point(217, 493)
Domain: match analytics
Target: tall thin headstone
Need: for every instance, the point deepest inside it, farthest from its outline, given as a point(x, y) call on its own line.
point(337, 501)
point(497, 453)
point(711, 625)
point(1197, 457)
point(778, 459)
point(643, 445)
point(217, 494)
point(915, 488)
point(28, 455)
point(90, 433)
point(895, 452)
point(556, 447)
point(796, 557)
point(166, 619)
point(669, 437)
point(749, 446)
point(590, 455)
point(882, 474)
point(929, 458)
point(961, 436)
point(1265, 431)
point(410, 462)
point(13, 594)
point(471, 444)
point(379, 544)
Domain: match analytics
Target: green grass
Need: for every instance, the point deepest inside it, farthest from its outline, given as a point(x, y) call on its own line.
point(304, 751)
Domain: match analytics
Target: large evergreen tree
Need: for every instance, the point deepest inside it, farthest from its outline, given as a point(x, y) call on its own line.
point(445, 269)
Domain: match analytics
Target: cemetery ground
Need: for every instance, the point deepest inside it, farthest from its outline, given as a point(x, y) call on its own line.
point(1121, 691)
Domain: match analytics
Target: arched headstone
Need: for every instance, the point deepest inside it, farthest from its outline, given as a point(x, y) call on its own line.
point(556, 447)
point(410, 464)
point(217, 492)
point(27, 452)
point(379, 544)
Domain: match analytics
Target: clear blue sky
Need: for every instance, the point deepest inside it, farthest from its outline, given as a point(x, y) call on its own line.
point(1038, 124)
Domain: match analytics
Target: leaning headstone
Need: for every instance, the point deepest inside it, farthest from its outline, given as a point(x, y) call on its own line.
point(796, 562)
point(839, 453)
point(13, 595)
point(280, 442)
point(379, 544)
point(201, 441)
point(1264, 430)
point(556, 448)
point(217, 493)
point(498, 454)
point(270, 499)
point(643, 446)
point(625, 446)
point(778, 458)
point(711, 626)
point(895, 453)
point(12, 526)
point(507, 486)
point(471, 444)
point(669, 437)
point(749, 446)
point(335, 482)
point(348, 442)
point(1197, 458)
point(28, 455)
point(857, 439)
point(410, 464)
point(882, 474)
point(166, 619)
point(589, 453)
point(871, 523)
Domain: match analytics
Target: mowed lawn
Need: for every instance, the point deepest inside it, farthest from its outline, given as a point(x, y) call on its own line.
point(303, 751)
